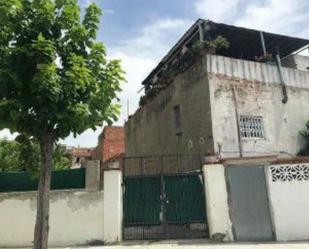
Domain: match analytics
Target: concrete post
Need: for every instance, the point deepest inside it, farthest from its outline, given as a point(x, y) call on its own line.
point(92, 175)
point(220, 225)
point(112, 211)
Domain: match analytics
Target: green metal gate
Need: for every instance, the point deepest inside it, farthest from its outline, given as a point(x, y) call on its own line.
point(142, 200)
point(164, 205)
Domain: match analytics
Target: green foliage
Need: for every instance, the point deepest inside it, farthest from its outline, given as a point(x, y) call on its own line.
point(211, 45)
point(54, 76)
point(219, 42)
point(61, 159)
point(28, 153)
point(24, 154)
point(8, 155)
point(142, 100)
point(305, 134)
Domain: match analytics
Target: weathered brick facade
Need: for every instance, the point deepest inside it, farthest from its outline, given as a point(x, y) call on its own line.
point(111, 143)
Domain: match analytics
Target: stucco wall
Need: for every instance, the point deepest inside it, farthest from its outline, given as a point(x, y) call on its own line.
point(297, 61)
point(76, 217)
point(113, 207)
point(218, 217)
point(289, 199)
point(257, 93)
point(152, 131)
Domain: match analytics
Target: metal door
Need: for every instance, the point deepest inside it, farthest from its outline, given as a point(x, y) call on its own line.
point(164, 207)
point(249, 203)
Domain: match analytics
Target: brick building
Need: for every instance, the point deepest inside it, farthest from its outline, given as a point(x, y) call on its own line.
point(80, 156)
point(110, 143)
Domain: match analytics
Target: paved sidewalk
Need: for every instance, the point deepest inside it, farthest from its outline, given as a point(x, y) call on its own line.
point(196, 245)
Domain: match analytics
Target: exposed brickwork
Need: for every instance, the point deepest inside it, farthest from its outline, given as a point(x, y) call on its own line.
point(111, 143)
point(80, 156)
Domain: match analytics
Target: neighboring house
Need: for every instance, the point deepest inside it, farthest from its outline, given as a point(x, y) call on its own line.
point(237, 101)
point(110, 143)
point(80, 156)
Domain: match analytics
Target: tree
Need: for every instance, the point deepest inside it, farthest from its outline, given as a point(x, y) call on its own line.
point(305, 134)
point(8, 155)
point(61, 159)
point(24, 155)
point(54, 79)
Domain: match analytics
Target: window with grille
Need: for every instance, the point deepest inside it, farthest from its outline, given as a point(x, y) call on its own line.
point(251, 127)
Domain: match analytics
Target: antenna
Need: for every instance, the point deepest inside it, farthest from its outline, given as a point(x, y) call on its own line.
point(128, 108)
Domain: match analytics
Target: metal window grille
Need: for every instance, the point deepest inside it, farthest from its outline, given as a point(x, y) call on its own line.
point(251, 127)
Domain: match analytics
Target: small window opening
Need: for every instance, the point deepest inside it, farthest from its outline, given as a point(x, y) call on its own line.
point(251, 127)
point(177, 117)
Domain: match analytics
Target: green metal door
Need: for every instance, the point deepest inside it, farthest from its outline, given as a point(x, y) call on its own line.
point(164, 207)
point(185, 199)
point(141, 201)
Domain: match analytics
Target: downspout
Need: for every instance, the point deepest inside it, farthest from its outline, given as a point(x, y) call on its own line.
point(263, 43)
point(237, 123)
point(283, 85)
point(201, 30)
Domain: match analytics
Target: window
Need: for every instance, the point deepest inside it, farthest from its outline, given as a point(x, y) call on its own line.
point(177, 117)
point(251, 127)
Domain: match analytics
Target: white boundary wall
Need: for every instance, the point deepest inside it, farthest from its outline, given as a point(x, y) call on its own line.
point(288, 190)
point(113, 206)
point(217, 201)
point(76, 217)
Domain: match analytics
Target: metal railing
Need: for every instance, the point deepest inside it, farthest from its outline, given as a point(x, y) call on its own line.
point(163, 164)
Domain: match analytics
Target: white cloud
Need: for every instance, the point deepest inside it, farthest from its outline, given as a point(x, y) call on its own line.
point(217, 10)
point(288, 17)
point(108, 11)
point(85, 3)
point(280, 16)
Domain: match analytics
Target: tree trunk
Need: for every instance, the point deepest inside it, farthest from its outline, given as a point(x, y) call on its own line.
point(42, 216)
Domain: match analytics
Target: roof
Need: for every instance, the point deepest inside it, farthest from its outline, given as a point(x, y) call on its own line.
point(80, 152)
point(244, 43)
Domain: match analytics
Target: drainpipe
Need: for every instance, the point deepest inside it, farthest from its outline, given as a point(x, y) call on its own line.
point(237, 123)
point(200, 30)
point(283, 85)
point(263, 43)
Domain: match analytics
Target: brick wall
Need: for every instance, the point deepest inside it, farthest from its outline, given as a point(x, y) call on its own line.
point(111, 143)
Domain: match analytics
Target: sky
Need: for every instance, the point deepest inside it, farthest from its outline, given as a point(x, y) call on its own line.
point(141, 32)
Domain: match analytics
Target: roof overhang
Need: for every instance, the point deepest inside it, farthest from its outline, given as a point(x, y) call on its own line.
point(244, 43)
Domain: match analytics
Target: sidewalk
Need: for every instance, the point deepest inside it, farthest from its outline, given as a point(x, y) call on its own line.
point(196, 244)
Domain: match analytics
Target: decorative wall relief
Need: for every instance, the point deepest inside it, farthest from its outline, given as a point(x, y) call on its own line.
point(190, 144)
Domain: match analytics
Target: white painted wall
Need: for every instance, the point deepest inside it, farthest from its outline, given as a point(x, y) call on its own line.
point(217, 201)
point(76, 217)
point(112, 206)
point(289, 202)
point(258, 93)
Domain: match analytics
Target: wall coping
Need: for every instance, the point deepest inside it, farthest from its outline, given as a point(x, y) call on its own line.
point(269, 160)
point(256, 71)
point(52, 192)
